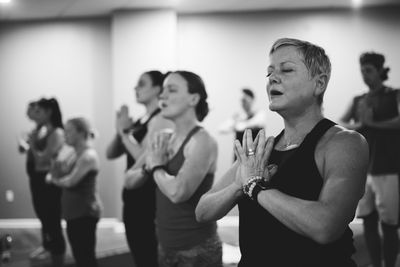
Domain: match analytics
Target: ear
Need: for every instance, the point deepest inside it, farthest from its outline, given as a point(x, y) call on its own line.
point(321, 82)
point(195, 98)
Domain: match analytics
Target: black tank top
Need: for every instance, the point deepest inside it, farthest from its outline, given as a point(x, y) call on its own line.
point(265, 241)
point(146, 192)
point(177, 227)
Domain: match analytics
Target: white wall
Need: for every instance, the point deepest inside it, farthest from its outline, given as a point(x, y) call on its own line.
point(68, 60)
point(231, 51)
point(92, 65)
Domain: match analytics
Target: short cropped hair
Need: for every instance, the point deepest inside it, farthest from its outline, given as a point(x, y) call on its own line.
point(314, 56)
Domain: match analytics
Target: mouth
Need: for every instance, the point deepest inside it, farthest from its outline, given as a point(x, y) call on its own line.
point(274, 92)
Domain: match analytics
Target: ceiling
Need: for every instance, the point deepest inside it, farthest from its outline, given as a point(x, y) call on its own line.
point(55, 9)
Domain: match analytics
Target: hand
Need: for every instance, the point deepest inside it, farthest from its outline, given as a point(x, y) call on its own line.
point(23, 145)
point(253, 157)
point(123, 121)
point(367, 117)
point(365, 112)
point(158, 150)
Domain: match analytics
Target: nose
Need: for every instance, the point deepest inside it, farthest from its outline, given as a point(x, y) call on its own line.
point(273, 78)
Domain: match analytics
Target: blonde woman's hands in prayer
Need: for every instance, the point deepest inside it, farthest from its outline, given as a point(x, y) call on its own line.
point(253, 157)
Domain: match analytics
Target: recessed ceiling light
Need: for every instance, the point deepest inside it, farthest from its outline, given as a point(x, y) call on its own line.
point(357, 3)
point(5, 1)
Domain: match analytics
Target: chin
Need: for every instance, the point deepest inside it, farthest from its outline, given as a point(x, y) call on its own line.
point(165, 114)
point(274, 107)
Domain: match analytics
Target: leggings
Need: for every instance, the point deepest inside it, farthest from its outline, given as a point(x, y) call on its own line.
point(82, 238)
point(46, 200)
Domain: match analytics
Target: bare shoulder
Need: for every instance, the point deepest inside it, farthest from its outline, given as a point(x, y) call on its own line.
point(203, 139)
point(58, 132)
point(342, 144)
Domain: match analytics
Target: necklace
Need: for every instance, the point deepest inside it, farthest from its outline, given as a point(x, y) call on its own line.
point(289, 146)
point(292, 144)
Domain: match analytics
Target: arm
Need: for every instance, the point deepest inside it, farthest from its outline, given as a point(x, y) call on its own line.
point(393, 123)
point(200, 155)
point(343, 168)
point(86, 162)
point(135, 176)
point(54, 144)
point(115, 149)
point(136, 149)
point(131, 145)
point(221, 198)
point(348, 119)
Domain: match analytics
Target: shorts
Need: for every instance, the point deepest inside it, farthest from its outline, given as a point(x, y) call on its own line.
point(381, 194)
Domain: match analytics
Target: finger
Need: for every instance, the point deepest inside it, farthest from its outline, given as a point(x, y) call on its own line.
point(255, 142)
point(260, 143)
point(244, 138)
point(240, 153)
point(236, 153)
point(249, 140)
point(272, 169)
point(268, 149)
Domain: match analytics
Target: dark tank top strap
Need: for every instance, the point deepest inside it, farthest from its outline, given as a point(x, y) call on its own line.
point(190, 134)
point(316, 133)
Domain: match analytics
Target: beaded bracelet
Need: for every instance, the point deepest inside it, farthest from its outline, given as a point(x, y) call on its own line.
point(249, 184)
point(254, 186)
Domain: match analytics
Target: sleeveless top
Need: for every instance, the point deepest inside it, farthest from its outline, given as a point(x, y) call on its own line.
point(176, 223)
point(384, 144)
point(265, 241)
point(40, 144)
point(146, 192)
point(82, 200)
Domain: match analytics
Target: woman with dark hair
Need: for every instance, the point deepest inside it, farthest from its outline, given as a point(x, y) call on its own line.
point(44, 145)
point(130, 140)
point(182, 164)
point(81, 205)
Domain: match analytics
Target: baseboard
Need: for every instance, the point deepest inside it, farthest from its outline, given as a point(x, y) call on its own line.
point(227, 221)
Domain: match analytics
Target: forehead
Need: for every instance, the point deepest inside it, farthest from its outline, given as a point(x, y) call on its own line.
point(145, 78)
point(69, 126)
point(368, 67)
point(175, 79)
point(286, 53)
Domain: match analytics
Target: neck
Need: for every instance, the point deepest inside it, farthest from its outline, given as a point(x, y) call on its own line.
point(297, 127)
point(81, 146)
point(376, 87)
point(151, 106)
point(183, 125)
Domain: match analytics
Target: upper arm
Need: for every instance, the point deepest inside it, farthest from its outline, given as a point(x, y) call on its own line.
point(115, 149)
point(54, 144)
point(348, 114)
point(87, 162)
point(344, 171)
point(200, 159)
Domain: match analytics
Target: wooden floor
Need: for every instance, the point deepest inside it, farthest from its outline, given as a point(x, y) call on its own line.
point(112, 250)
